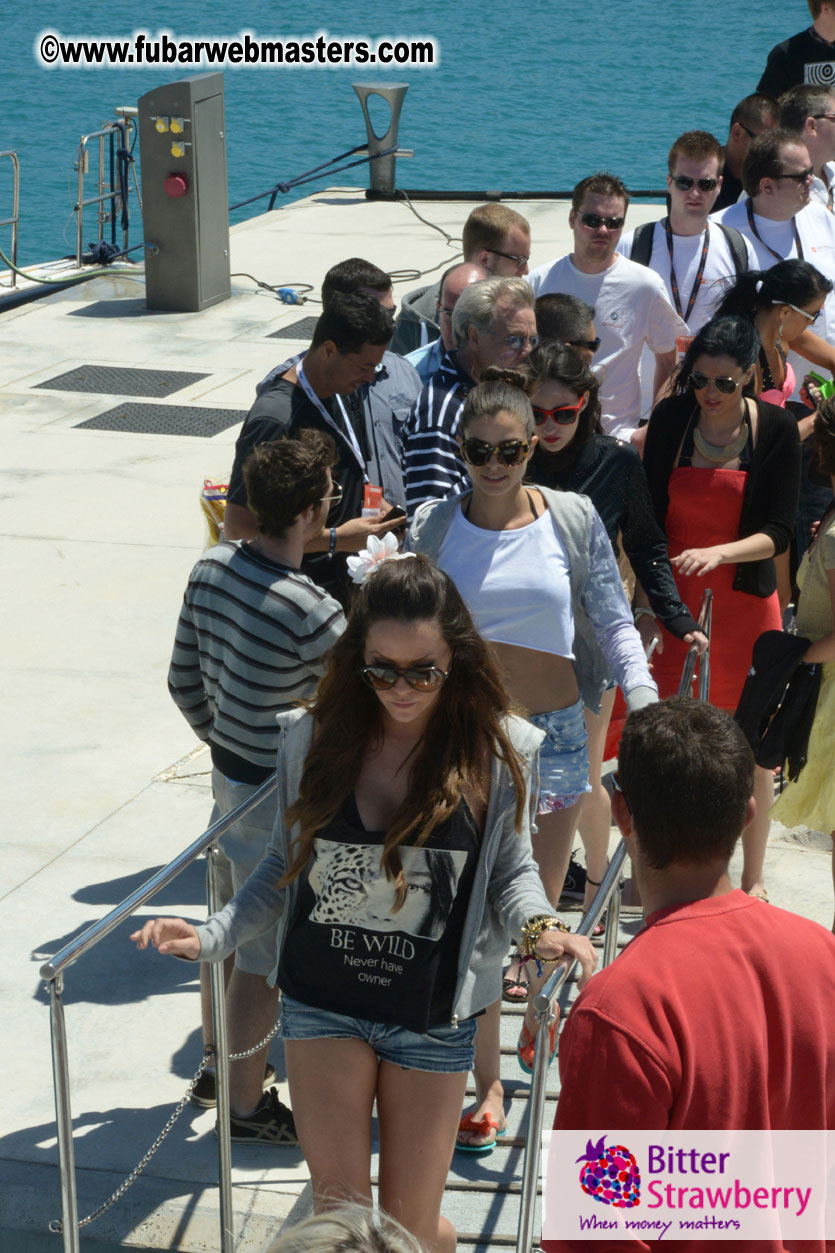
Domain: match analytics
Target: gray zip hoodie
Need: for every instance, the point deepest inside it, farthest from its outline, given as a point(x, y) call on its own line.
point(506, 891)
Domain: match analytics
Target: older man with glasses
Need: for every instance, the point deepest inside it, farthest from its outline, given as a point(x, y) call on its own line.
point(631, 306)
point(493, 323)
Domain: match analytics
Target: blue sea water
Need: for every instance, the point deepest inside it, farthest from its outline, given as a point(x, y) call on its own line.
point(529, 96)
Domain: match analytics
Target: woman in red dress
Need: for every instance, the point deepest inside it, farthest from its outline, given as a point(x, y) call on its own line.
point(723, 469)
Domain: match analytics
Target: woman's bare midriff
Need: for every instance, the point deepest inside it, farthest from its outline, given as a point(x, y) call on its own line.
point(539, 682)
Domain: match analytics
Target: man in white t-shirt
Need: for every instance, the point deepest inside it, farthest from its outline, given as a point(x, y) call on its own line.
point(808, 113)
point(695, 263)
point(630, 301)
point(780, 224)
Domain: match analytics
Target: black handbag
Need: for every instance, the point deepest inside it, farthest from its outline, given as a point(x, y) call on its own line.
point(777, 706)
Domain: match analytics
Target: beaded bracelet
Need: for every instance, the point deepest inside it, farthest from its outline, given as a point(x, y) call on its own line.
point(533, 929)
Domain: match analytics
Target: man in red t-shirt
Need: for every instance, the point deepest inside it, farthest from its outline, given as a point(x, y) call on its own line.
point(719, 1013)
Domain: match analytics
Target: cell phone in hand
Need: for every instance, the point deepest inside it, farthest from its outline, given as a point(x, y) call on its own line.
point(395, 514)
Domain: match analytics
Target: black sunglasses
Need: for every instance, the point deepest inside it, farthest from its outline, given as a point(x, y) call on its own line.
point(421, 678)
point(591, 344)
point(509, 452)
point(683, 182)
point(594, 222)
point(616, 783)
point(510, 256)
point(800, 177)
point(725, 384)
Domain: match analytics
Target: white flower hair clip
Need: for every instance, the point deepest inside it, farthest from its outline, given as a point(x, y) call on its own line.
point(363, 564)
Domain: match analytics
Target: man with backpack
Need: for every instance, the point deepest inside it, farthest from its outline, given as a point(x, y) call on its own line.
point(696, 259)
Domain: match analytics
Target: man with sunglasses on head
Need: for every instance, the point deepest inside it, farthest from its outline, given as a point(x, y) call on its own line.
point(693, 261)
point(493, 323)
point(630, 301)
point(780, 223)
point(808, 113)
point(494, 236)
point(250, 643)
point(426, 360)
point(753, 115)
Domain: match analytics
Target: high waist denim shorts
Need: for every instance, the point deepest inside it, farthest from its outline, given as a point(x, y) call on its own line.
point(447, 1049)
point(563, 758)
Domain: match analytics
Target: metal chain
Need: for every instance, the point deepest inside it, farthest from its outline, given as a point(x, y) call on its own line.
point(56, 1225)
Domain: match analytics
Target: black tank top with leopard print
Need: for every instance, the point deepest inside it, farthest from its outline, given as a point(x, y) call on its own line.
point(350, 950)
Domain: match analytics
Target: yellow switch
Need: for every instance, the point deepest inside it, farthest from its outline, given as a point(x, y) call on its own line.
point(178, 150)
point(177, 126)
point(161, 124)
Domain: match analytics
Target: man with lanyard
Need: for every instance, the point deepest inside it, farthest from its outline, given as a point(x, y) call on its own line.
point(808, 113)
point(808, 57)
point(753, 115)
point(694, 262)
point(780, 223)
point(380, 407)
point(347, 346)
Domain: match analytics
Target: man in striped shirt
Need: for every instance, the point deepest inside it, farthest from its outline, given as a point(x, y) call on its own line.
point(493, 323)
point(251, 641)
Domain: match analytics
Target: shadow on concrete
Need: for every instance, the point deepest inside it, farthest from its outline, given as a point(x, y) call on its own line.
point(189, 888)
point(115, 972)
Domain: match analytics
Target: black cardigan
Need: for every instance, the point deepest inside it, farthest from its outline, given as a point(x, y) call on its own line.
point(609, 472)
point(769, 504)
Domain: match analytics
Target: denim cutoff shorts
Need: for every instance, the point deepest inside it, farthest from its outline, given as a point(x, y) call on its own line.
point(446, 1049)
point(563, 758)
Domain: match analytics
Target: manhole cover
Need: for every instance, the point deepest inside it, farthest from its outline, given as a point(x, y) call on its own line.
point(121, 381)
point(164, 420)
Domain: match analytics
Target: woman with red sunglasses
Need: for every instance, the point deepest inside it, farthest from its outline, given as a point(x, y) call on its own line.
point(537, 571)
point(574, 455)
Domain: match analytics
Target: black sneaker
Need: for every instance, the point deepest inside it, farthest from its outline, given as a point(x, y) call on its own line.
point(205, 1090)
point(575, 881)
point(271, 1122)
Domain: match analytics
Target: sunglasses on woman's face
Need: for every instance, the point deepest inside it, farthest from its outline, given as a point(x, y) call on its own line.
point(563, 414)
point(421, 678)
point(726, 385)
point(509, 452)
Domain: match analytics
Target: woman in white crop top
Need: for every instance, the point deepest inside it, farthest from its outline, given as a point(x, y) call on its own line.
point(523, 573)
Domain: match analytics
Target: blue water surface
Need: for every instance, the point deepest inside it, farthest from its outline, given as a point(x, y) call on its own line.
point(529, 96)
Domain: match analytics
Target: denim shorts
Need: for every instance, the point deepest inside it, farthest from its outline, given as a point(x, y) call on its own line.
point(563, 758)
point(446, 1049)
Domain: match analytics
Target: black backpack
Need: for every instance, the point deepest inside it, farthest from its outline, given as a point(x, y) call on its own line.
point(642, 245)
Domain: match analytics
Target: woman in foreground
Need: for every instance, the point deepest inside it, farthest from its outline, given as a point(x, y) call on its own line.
point(403, 798)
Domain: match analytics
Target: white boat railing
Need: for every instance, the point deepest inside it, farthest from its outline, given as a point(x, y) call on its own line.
point(13, 220)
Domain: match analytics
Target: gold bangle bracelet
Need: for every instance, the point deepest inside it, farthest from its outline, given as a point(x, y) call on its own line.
point(533, 929)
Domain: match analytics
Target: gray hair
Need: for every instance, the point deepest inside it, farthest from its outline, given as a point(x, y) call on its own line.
point(476, 306)
point(350, 1229)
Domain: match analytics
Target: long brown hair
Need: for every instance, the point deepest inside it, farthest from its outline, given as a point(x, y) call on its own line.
point(449, 760)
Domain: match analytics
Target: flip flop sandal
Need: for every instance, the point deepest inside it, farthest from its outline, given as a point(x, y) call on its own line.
point(482, 1127)
point(525, 1049)
point(522, 982)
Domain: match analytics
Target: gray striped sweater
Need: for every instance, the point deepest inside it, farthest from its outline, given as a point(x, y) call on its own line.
point(250, 642)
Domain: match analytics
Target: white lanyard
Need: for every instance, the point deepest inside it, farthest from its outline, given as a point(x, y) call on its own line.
point(304, 383)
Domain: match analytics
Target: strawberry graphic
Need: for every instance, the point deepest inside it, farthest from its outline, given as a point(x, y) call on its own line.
point(610, 1175)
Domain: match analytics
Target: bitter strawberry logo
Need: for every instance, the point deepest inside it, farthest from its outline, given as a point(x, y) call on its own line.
point(610, 1175)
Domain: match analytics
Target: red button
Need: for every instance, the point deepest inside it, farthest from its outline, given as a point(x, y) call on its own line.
point(175, 185)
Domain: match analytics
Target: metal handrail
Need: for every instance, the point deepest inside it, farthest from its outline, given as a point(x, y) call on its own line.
point(13, 220)
point(705, 620)
point(53, 972)
point(607, 895)
point(106, 191)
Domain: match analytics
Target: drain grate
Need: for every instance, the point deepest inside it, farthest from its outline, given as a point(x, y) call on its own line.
point(117, 380)
point(302, 329)
point(164, 420)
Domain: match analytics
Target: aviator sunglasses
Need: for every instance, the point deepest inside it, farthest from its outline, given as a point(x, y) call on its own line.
point(725, 384)
point(476, 452)
point(684, 183)
point(594, 222)
point(563, 414)
point(421, 678)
